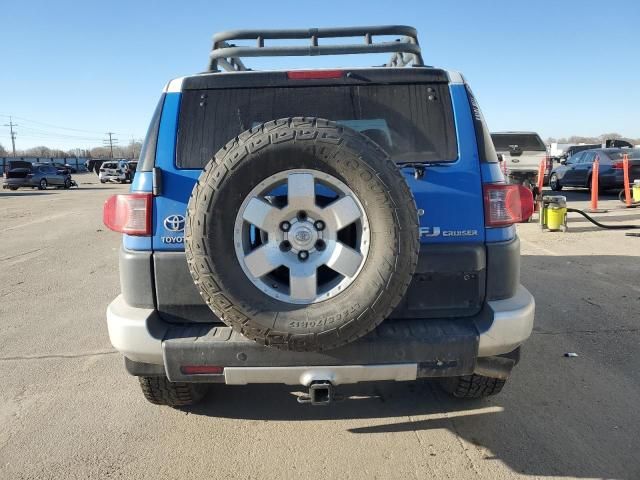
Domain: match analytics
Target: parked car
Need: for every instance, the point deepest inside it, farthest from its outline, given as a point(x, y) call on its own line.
point(314, 227)
point(608, 143)
point(65, 168)
point(25, 174)
point(521, 153)
point(116, 170)
point(93, 165)
point(133, 166)
point(577, 170)
point(574, 149)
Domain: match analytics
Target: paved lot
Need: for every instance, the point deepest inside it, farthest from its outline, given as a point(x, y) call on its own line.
point(68, 410)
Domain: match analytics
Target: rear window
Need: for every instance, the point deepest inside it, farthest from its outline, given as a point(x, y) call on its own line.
point(413, 123)
point(109, 165)
point(632, 153)
point(522, 141)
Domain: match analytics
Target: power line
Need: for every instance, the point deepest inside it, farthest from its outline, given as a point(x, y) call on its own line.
point(13, 134)
point(53, 126)
point(45, 133)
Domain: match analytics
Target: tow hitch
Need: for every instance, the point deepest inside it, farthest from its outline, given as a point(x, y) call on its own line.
point(320, 393)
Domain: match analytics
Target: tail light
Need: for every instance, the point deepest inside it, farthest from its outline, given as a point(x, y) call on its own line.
point(130, 213)
point(507, 204)
point(548, 161)
point(619, 165)
point(314, 74)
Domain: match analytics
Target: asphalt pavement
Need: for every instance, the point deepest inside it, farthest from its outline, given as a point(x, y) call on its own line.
point(68, 410)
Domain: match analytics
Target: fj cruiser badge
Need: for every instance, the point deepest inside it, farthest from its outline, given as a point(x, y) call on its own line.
point(436, 232)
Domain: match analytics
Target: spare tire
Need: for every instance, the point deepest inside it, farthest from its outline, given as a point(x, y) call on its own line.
point(301, 234)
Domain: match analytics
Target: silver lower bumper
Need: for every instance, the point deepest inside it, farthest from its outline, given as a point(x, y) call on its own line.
point(336, 375)
point(139, 333)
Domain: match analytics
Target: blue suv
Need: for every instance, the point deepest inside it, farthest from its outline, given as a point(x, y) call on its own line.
point(318, 228)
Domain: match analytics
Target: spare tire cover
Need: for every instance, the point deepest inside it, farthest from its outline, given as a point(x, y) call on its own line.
point(301, 234)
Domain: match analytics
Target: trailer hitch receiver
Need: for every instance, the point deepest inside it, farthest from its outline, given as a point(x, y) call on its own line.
point(320, 393)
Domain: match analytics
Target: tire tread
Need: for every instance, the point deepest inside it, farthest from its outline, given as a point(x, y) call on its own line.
point(160, 391)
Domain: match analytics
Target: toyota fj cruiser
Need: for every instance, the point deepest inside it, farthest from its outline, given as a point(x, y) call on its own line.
point(319, 228)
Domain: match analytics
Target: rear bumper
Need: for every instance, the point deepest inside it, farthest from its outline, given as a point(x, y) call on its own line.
point(16, 183)
point(396, 350)
point(107, 176)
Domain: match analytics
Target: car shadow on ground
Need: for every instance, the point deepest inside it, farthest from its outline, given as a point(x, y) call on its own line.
point(26, 193)
point(569, 417)
point(494, 426)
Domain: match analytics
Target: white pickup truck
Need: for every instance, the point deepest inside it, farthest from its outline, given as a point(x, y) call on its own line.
point(521, 153)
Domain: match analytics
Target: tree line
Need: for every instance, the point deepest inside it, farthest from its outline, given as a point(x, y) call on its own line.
point(132, 150)
point(575, 139)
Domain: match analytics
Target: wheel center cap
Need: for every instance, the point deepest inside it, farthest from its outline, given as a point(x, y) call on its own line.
point(302, 236)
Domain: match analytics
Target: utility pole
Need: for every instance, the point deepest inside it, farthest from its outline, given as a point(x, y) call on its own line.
point(110, 143)
point(13, 135)
point(133, 148)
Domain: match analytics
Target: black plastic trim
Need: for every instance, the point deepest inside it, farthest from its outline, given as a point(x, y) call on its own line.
point(177, 296)
point(441, 348)
point(503, 269)
point(449, 281)
point(382, 75)
point(136, 278)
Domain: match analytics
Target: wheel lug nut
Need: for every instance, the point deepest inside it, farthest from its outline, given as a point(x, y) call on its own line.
point(285, 246)
point(319, 224)
point(303, 255)
point(285, 226)
point(320, 245)
point(302, 215)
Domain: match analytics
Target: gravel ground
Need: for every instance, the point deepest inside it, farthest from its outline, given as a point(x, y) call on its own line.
point(68, 409)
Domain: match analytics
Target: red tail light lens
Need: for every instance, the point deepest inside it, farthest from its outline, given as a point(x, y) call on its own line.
point(507, 204)
point(618, 165)
point(314, 74)
point(130, 213)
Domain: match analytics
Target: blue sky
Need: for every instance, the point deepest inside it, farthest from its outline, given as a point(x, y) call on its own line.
point(556, 67)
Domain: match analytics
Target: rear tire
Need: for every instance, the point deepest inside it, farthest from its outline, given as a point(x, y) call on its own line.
point(160, 391)
point(67, 183)
point(42, 185)
point(472, 386)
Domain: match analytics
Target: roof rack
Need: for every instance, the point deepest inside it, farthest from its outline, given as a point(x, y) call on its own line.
point(228, 56)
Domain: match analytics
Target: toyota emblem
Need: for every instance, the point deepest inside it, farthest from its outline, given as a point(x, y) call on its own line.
point(174, 223)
